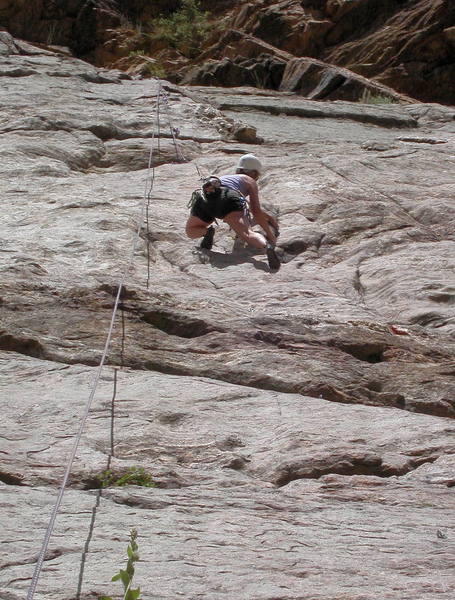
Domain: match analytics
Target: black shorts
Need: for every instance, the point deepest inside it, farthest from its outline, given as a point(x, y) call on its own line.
point(217, 205)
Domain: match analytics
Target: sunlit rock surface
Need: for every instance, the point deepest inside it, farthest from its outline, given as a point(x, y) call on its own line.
point(300, 446)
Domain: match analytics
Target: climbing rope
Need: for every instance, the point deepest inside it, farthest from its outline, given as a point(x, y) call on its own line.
point(51, 524)
point(162, 98)
point(150, 181)
point(175, 133)
point(123, 335)
point(99, 494)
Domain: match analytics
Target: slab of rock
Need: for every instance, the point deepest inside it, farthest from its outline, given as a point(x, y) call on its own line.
point(317, 80)
point(403, 46)
point(243, 60)
point(386, 116)
point(408, 47)
point(268, 493)
point(280, 415)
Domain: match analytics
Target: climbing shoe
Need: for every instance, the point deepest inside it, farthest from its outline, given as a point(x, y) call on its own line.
point(274, 261)
point(207, 240)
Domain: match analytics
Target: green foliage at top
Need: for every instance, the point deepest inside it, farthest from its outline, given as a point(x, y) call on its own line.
point(126, 575)
point(133, 476)
point(185, 30)
point(368, 97)
point(149, 66)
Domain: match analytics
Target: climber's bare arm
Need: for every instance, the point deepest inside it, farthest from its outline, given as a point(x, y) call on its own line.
point(268, 222)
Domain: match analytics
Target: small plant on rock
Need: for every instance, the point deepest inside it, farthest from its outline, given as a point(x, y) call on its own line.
point(149, 66)
point(185, 30)
point(368, 97)
point(133, 476)
point(126, 575)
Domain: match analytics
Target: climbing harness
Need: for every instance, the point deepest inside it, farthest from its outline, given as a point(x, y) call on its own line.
point(216, 201)
point(210, 184)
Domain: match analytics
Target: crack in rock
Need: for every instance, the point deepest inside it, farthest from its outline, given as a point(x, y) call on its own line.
point(369, 465)
point(175, 323)
point(11, 479)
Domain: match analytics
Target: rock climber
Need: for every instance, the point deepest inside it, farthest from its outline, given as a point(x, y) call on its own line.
point(226, 198)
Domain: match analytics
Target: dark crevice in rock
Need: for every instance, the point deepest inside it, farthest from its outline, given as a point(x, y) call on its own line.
point(236, 463)
point(270, 337)
point(328, 85)
point(175, 362)
point(184, 359)
point(431, 319)
point(319, 390)
point(10, 479)
point(442, 297)
point(370, 395)
point(367, 465)
point(141, 502)
point(294, 246)
point(355, 395)
point(177, 324)
point(50, 555)
point(21, 345)
point(375, 386)
point(33, 348)
point(436, 408)
point(87, 484)
point(367, 352)
point(310, 110)
point(112, 290)
point(17, 72)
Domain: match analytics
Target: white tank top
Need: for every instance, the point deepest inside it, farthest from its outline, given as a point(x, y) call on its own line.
point(235, 182)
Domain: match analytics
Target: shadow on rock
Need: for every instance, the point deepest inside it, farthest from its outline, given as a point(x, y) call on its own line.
point(220, 260)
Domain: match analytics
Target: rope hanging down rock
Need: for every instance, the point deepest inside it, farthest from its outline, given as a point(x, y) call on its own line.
point(151, 178)
point(51, 524)
point(175, 132)
point(162, 97)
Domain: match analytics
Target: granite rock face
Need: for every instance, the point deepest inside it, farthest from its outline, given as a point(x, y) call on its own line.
point(259, 494)
point(298, 425)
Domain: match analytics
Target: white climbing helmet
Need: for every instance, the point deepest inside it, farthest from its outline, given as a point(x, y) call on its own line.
point(250, 163)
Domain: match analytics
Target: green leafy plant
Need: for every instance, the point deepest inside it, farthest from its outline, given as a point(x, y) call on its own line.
point(51, 33)
point(133, 476)
point(185, 30)
point(150, 66)
point(368, 97)
point(126, 575)
point(155, 70)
